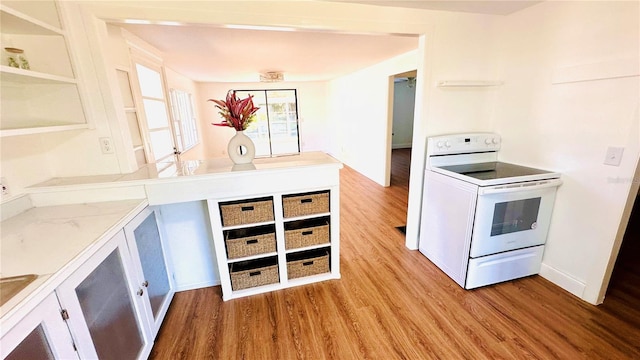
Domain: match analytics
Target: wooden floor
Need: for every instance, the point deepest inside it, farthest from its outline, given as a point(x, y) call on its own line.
point(393, 303)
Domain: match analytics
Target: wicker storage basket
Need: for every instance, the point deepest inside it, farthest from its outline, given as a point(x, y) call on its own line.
point(305, 204)
point(308, 236)
point(308, 267)
point(250, 245)
point(249, 212)
point(254, 277)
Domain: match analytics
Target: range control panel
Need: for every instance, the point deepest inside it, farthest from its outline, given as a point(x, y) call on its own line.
point(463, 143)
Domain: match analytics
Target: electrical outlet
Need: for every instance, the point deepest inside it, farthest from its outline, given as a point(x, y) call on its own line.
point(614, 156)
point(5, 187)
point(106, 146)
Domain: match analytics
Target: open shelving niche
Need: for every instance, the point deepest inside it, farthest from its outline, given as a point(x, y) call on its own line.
point(45, 98)
point(281, 254)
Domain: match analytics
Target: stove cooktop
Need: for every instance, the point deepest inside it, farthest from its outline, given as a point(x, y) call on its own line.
point(495, 172)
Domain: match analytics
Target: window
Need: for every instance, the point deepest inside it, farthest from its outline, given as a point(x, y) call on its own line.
point(184, 120)
point(155, 112)
point(275, 131)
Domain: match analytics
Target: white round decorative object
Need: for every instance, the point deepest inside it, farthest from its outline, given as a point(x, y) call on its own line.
point(241, 149)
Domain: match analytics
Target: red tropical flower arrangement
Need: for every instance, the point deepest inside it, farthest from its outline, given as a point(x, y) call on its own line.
point(237, 113)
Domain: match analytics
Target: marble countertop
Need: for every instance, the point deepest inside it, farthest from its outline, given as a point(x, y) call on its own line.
point(54, 241)
point(185, 170)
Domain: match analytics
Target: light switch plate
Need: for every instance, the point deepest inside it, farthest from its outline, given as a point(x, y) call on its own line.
point(614, 156)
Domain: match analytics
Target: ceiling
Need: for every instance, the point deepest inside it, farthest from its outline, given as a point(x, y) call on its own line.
point(217, 54)
point(504, 7)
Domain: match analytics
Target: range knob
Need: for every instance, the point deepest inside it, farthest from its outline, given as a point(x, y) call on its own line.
point(487, 141)
point(447, 144)
point(495, 141)
point(439, 144)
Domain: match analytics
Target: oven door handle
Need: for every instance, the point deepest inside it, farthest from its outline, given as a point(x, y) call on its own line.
point(523, 186)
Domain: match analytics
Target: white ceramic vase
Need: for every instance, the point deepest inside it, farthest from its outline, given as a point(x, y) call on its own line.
point(241, 149)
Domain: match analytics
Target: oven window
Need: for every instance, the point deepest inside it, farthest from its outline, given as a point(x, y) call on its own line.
point(513, 216)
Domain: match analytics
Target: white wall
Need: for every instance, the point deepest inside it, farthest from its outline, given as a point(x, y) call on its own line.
point(24, 162)
point(359, 113)
point(567, 127)
point(404, 101)
point(312, 97)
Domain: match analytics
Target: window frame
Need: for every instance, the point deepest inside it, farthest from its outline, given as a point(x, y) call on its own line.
point(266, 91)
point(176, 117)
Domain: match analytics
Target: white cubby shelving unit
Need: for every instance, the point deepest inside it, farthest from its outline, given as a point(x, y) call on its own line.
point(328, 245)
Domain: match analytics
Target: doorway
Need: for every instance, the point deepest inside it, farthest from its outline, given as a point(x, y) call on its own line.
point(403, 93)
point(402, 118)
point(624, 285)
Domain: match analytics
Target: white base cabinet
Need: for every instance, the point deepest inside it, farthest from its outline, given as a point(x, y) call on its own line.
point(110, 307)
point(152, 274)
point(42, 334)
point(105, 306)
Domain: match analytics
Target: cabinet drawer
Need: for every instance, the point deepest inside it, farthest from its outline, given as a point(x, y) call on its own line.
point(305, 204)
point(308, 264)
point(247, 212)
point(251, 274)
point(302, 234)
point(251, 244)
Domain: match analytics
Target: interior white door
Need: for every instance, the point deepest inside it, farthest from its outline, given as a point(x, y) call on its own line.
point(152, 98)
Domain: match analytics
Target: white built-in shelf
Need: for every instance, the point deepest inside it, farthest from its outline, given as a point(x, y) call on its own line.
point(313, 247)
point(248, 225)
point(41, 129)
point(312, 216)
point(21, 76)
point(253, 257)
point(467, 83)
point(15, 22)
point(49, 100)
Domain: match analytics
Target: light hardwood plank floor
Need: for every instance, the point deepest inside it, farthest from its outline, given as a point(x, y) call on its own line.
point(393, 303)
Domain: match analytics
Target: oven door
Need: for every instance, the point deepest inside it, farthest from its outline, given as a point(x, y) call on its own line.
point(512, 216)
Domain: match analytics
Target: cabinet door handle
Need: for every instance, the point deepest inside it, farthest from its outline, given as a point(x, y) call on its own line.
point(252, 241)
point(145, 283)
point(255, 273)
point(140, 292)
point(307, 263)
point(307, 232)
point(306, 201)
point(247, 208)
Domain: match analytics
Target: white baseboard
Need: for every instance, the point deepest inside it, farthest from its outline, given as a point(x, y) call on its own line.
point(572, 285)
point(200, 285)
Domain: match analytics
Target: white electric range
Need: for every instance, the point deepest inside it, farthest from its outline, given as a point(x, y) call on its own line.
point(483, 221)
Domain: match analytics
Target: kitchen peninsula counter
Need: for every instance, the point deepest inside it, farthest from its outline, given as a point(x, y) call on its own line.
point(175, 182)
point(185, 188)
